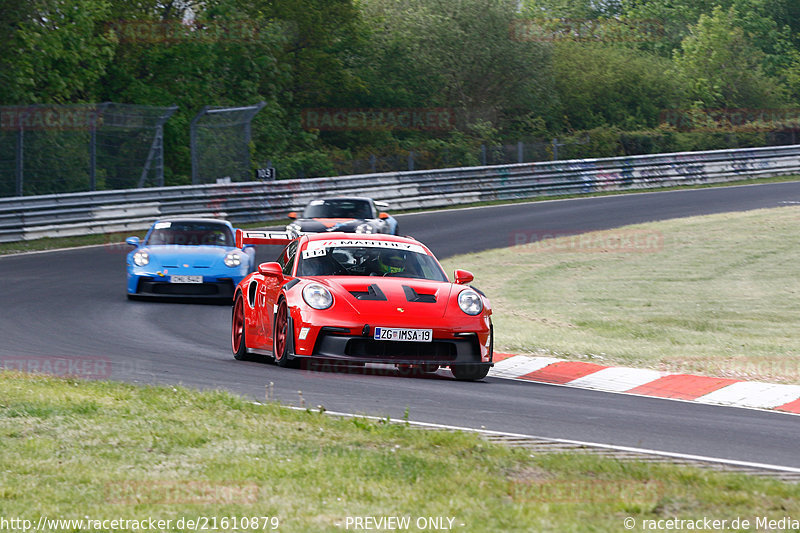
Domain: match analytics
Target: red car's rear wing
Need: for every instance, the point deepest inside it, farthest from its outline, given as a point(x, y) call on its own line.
point(262, 237)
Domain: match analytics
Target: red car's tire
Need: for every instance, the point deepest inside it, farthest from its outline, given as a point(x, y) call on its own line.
point(281, 338)
point(238, 341)
point(475, 372)
point(469, 372)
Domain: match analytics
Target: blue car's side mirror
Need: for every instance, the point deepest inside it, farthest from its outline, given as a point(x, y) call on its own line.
point(133, 241)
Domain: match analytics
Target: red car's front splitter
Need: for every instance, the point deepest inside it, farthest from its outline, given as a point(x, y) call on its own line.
point(467, 342)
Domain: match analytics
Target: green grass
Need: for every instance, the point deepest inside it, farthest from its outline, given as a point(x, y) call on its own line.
point(718, 295)
point(100, 450)
point(54, 243)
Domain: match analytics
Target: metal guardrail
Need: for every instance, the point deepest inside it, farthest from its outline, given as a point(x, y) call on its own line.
point(25, 218)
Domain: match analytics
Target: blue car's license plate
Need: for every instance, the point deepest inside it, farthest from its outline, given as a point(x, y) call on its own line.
point(186, 279)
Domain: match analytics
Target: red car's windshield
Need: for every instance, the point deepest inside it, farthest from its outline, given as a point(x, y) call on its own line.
point(376, 259)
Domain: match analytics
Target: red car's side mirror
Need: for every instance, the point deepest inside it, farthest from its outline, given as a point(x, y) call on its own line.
point(292, 215)
point(463, 276)
point(271, 270)
point(383, 216)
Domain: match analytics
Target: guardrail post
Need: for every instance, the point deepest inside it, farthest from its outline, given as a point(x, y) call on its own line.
point(93, 153)
point(258, 107)
point(193, 143)
point(483, 155)
point(231, 155)
point(410, 160)
point(520, 148)
point(19, 160)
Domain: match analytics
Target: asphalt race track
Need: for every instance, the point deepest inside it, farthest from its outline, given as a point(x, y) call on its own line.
point(71, 304)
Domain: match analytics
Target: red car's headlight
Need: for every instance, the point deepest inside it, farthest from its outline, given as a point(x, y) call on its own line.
point(317, 296)
point(470, 302)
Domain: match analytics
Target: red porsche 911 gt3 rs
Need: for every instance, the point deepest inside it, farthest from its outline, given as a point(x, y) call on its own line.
point(362, 299)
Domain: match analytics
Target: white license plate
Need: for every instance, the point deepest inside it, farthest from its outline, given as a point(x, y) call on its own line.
point(186, 279)
point(403, 334)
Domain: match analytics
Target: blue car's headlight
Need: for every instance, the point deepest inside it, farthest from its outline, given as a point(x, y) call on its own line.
point(233, 259)
point(141, 258)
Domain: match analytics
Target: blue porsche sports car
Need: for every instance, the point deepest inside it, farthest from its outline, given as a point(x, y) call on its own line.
point(187, 258)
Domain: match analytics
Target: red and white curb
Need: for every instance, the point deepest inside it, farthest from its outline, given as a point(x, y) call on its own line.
point(702, 389)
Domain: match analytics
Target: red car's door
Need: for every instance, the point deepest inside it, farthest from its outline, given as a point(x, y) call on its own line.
point(254, 329)
point(272, 290)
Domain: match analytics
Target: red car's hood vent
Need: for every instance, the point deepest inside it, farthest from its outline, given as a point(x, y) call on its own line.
point(378, 297)
point(373, 293)
point(413, 296)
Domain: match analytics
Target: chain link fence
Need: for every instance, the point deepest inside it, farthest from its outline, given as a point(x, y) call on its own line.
point(573, 147)
point(424, 159)
point(48, 149)
point(220, 143)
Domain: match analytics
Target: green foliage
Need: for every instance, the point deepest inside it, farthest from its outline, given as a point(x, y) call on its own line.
point(722, 67)
point(222, 59)
point(603, 86)
point(457, 54)
point(53, 51)
point(638, 59)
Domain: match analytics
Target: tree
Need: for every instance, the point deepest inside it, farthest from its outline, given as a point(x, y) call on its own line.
point(603, 86)
point(54, 51)
point(213, 55)
point(723, 68)
point(458, 53)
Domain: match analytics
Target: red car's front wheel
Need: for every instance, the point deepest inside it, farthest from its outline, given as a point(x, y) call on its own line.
point(281, 337)
point(238, 342)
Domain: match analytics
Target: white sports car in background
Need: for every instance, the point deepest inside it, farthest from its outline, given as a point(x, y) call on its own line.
point(345, 214)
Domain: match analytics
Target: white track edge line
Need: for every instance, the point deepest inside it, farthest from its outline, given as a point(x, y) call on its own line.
point(674, 455)
point(84, 247)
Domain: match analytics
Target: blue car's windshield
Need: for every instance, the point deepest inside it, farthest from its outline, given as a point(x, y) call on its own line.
point(191, 233)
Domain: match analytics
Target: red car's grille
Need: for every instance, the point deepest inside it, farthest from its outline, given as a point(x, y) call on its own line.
point(370, 348)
